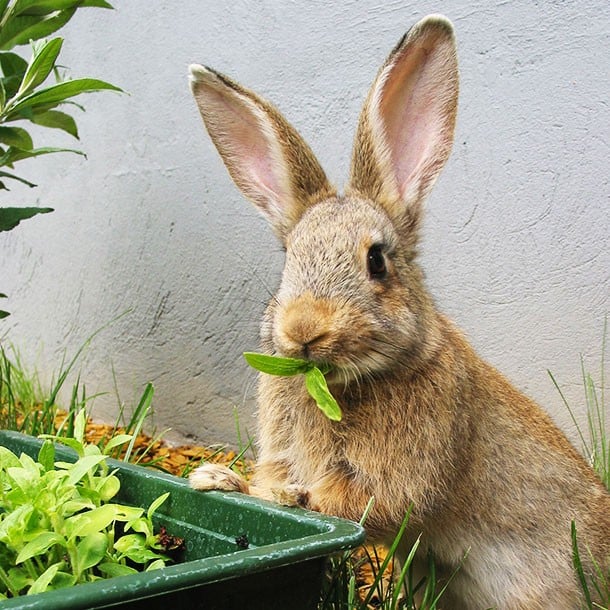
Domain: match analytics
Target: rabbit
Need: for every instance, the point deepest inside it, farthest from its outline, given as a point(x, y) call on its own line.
point(494, 484)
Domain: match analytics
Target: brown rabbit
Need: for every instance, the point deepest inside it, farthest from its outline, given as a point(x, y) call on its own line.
point(425, 420)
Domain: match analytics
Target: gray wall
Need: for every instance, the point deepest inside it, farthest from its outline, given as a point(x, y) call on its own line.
point(516, 238)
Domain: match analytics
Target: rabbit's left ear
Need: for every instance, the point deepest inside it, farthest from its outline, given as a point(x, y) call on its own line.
point(266, 157)
point(405, 132)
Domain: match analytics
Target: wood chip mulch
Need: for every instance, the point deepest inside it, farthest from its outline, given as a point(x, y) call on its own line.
point(179, 460)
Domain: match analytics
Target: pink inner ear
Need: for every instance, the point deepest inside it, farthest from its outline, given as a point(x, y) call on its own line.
point(411, 109)
point(247, 152)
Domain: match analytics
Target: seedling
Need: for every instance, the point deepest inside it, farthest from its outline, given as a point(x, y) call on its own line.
point(59, 526)
point(315, 380)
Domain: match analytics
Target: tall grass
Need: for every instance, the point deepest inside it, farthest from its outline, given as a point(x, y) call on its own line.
point(388, 586)
point(595, 439)
point(595, 443)
point(28, 408)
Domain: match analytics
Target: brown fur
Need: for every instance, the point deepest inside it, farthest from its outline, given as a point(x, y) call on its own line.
point(425, 421)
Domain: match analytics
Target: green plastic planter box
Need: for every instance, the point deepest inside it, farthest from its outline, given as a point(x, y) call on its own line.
point(282, 568)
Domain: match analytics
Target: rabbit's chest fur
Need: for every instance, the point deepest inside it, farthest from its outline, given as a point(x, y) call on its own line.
point(435, 442)
point(402, 441)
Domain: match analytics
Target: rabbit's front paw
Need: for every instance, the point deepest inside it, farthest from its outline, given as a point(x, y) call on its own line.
point(292, 495)
point(216, 476)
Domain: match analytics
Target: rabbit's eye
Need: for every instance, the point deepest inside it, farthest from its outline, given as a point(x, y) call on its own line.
point(376, 262)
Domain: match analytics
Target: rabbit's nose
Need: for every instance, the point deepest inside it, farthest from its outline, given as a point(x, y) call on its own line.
point(304, 327)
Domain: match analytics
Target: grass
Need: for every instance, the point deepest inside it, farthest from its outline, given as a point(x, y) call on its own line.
point(595, 442)
point(25, 407)
point(389, 586)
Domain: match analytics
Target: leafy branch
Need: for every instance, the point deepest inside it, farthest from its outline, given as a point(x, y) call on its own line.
point(25, 93)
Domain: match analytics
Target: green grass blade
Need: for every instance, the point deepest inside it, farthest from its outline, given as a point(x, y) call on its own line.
point(577, 563)
point(141, 413)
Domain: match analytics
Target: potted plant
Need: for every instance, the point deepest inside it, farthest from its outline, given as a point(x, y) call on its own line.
point(237, 550)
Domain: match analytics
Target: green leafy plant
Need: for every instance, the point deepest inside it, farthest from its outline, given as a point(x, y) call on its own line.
point(315, 380)
point(25, 94)
point(58, 526)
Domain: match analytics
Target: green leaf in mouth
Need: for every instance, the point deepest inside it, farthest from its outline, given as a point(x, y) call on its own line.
point(315, 382)
point(274, 365)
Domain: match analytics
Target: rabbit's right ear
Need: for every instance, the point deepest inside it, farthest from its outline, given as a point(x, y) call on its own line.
point(405, 132)
point(266, 157)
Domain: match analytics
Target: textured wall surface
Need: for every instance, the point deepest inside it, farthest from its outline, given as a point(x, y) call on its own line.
point(516, 237)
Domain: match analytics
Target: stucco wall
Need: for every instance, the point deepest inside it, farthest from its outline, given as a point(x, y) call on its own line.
point(516, 237)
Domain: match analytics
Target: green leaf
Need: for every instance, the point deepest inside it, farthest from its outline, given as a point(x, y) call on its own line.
point(97, 4)
point(45, 7)
point(156, 565)
point(46, 456)
point(11, 217)
point(41, 65)
point(90, 551)
point(16, 136)
point(134, 547)
point(40, 7)
point(156, 503)
point(41, 584)
point(18, 30)
point(110, 570)
point(85, 465)
point(41, 544)
point(13, 154)
point(19, 578)
point(55, 119)
point(100, 518)
point(80, 424)
point(15, 524)
point(69, 442)
point(14, 177)
point(7, 458)
point(13, 65)
point(116, 441)
point(109, 488)
point(314, 378)
point(55, 94)
point(275, 365)
point(4, 314)
point(318, 390)
point(142, 525)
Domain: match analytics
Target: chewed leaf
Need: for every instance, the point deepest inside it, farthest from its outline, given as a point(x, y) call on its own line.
point(318, 390)
point(275, 365)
